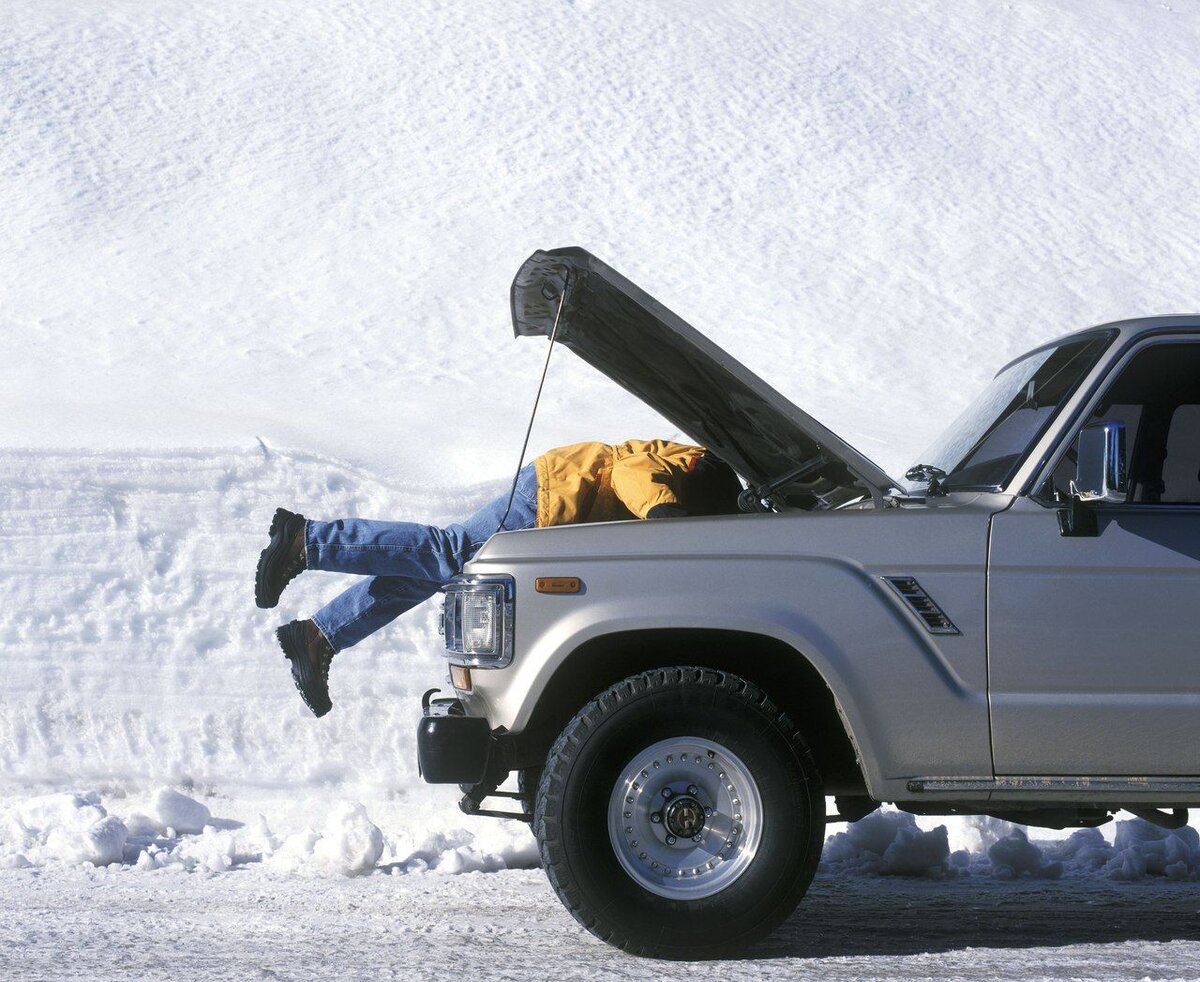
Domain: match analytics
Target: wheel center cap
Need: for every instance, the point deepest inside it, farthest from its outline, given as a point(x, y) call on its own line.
point(684, 817)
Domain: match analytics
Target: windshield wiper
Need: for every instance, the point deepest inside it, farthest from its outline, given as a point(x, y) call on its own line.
point(927, 474)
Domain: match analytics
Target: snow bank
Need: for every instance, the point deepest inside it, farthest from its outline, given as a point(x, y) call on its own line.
point(172, 831)
point(1138, 850)
point(890, 843)
point(207, 205)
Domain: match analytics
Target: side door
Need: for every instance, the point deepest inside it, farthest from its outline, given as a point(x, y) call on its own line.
point(1094, 642)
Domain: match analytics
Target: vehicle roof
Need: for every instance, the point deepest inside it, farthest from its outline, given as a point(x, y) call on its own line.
point(1127, 329)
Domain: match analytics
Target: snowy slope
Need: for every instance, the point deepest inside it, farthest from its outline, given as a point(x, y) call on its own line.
point(258, 254)
point(299, 220)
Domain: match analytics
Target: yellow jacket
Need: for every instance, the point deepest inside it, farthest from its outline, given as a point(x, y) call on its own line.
point(595, 482)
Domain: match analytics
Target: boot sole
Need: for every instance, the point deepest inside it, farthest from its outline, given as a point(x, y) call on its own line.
point(311, 685)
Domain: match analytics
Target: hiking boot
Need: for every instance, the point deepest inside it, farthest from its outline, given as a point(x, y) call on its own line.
point(310, 655)
point(283, 560)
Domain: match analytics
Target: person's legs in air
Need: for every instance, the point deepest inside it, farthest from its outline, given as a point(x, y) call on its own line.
point(406, 563)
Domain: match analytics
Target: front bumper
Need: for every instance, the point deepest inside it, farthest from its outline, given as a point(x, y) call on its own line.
point(452, 747)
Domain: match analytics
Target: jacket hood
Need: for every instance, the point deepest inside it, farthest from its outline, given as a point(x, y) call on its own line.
point(626, 334)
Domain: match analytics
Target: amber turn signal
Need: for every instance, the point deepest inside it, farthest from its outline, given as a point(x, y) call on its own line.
point(460, 677)
point(558, 584)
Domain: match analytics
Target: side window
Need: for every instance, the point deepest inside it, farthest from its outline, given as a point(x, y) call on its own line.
point(1181, 468)
point(1157, 397)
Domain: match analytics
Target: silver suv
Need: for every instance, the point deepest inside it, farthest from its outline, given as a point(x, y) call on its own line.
point(1012, 630)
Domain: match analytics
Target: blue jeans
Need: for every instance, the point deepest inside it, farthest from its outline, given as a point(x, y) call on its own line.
point(404, 562)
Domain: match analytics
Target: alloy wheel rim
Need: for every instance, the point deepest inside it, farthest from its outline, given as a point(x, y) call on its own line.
point(685, 818)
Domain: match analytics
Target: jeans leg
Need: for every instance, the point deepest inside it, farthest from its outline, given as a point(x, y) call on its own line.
point(368, 605)
point(371, 548)
point(406, 562)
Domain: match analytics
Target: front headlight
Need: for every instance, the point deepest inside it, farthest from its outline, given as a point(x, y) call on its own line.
point(477, 620)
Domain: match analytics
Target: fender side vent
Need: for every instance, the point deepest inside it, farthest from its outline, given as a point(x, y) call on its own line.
point(921, 604)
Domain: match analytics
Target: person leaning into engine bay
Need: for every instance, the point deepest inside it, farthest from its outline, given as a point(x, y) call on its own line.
point(406, 562)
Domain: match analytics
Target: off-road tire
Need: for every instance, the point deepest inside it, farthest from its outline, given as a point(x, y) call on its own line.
point(571, 808)
point(528, 780)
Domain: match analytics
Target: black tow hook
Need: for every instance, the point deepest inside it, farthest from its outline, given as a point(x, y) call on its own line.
point(425, 699)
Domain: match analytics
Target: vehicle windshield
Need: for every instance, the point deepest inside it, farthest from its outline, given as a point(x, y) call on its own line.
point(984, 446)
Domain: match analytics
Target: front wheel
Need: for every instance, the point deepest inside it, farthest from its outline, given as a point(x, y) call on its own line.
point(680, 814)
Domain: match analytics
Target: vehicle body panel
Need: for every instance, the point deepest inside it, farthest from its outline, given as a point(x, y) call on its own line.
point(1093, 639)
point(912, 700)
point(1094, 667)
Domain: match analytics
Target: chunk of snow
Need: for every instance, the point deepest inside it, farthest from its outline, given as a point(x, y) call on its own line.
point(890, 843)
point(1142, 849)
point(350, 844)
point(66, 828)
point(1014, 855)
point(171, 809)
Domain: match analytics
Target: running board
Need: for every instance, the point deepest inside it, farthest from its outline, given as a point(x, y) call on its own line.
point(1058, 785)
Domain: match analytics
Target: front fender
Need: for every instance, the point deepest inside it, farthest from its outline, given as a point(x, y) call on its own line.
point(909, 708)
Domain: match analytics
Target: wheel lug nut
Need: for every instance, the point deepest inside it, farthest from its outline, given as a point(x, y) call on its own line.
point(667, 792)
point(693, 790)
point(697, 837)
point(628, 814)
point(656, 817)
point(708, 812)
point(629, 830)
point(670, 840)
point(712, 754)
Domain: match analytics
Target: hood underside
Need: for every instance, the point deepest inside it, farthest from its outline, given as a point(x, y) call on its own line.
point(625, 333)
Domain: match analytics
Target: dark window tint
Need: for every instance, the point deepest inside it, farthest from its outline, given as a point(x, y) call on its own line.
point(1157, 397)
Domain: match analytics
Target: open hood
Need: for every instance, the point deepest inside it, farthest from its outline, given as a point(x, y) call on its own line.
point(622, 331)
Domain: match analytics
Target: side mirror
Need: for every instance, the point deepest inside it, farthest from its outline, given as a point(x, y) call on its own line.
point(1100, 476)
point(1100, 469)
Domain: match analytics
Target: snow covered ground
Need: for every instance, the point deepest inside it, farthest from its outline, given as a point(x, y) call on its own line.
point(511, 926)
point(258, 254)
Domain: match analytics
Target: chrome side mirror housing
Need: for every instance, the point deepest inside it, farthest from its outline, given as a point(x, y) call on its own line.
point(1101, 477)
point(1101, 473)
